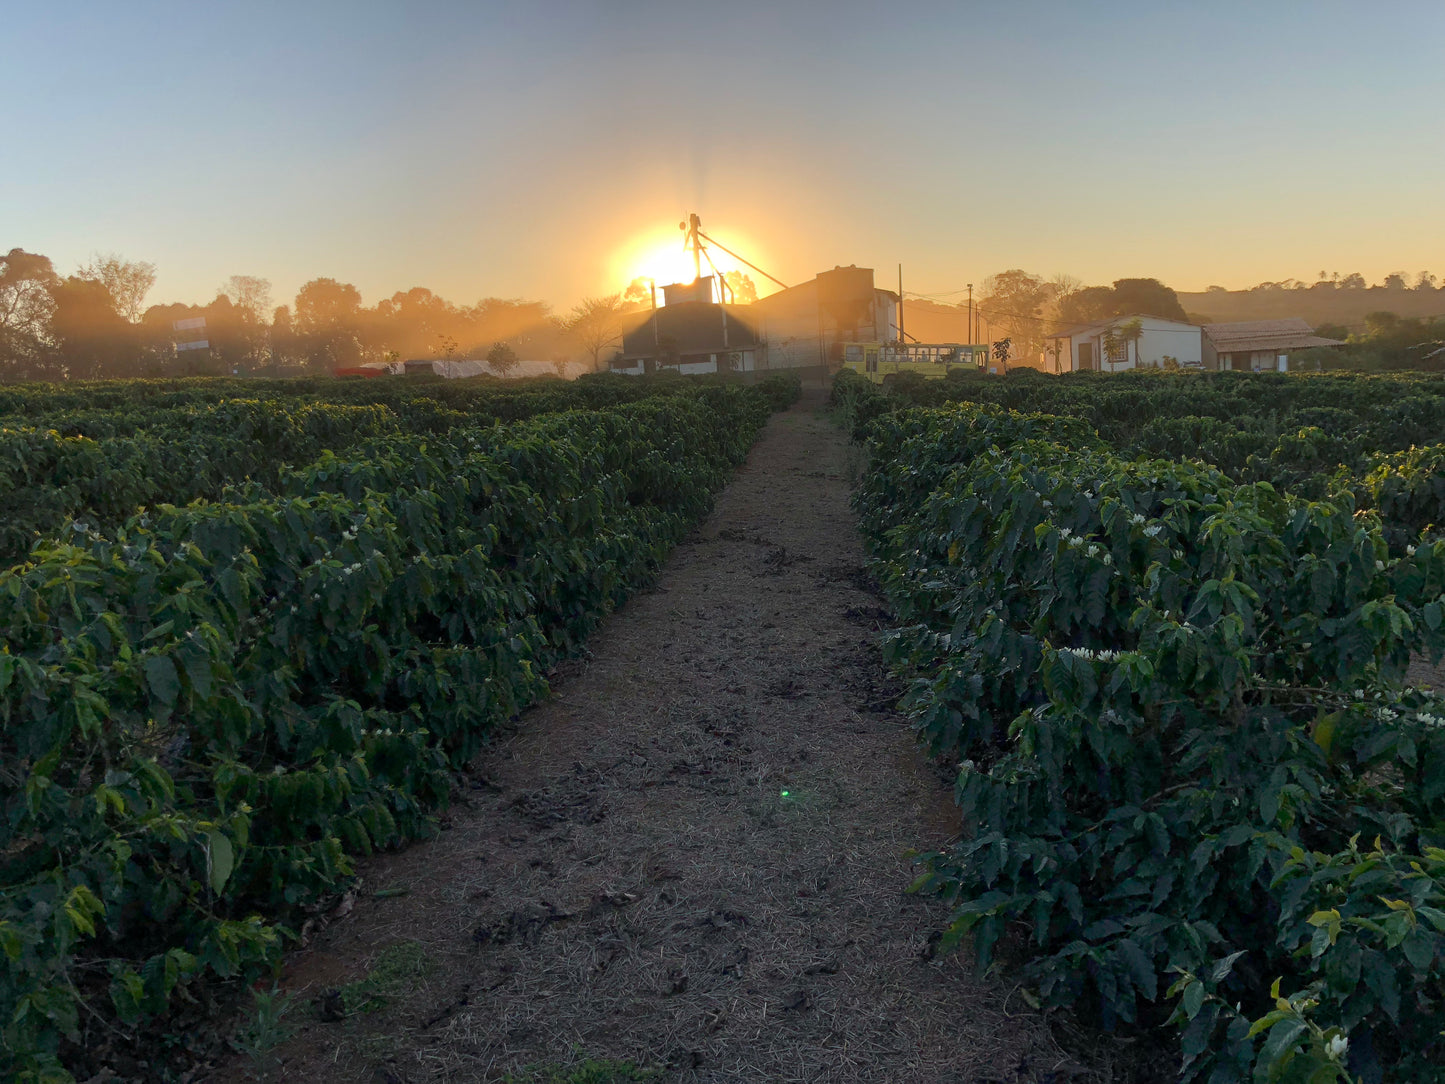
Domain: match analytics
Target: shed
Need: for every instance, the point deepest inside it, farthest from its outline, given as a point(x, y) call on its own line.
point(1258, 345)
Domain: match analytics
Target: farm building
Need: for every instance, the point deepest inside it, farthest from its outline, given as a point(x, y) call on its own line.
point(692, 333)
point(1258, 345)
point(798, 327)
point(1110, 346)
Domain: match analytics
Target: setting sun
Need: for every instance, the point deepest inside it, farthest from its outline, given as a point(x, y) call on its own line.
point(663, 257)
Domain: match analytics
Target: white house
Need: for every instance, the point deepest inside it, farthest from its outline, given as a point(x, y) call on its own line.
point(1108, 345)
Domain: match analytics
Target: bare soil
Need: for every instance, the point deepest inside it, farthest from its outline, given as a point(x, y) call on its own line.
point(695, 855)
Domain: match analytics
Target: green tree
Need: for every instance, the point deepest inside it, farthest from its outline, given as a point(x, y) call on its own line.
point(26, 306)
point(501, 358)
point(1380, 323)
point(1131, 331)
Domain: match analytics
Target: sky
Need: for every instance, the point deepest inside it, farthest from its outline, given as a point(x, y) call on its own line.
point(548, 150)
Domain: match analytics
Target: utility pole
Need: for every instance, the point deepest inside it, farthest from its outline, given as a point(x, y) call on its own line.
point(900, 305)
point(970, 323)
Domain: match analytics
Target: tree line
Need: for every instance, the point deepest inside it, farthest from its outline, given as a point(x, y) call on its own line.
point(1397, 281)
point(94, 324)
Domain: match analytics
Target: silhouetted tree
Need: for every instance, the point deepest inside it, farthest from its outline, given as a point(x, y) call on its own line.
point(127, 282)
point(1146, 297)
point(1087, 305)
point(92, 340)
point(250, 294)
point(1014, 301)
point(596, 325)
point(415, 322)
point(250, 298)
point(328, 317)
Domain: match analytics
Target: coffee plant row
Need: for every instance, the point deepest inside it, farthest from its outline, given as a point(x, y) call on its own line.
point(210, 710)
point(1310, 435)
point(96, 453)
point(1198, 793)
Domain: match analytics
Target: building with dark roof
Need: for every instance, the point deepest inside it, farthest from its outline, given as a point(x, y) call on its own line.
point(799, 327)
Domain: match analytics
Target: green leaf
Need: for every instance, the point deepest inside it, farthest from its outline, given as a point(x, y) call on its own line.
point(1193, 999)
point(1140, 968)
point(220, 859)
point(1225, 966)
point(161, 676)
point(1419, 949)
point(1267, 1021)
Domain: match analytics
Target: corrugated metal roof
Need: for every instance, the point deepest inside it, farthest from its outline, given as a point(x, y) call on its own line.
point(1251, 335)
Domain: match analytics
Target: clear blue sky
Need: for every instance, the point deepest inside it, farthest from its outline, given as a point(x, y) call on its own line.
point(547, 150)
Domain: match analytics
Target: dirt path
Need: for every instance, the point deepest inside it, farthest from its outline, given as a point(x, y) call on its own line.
point(694, 856)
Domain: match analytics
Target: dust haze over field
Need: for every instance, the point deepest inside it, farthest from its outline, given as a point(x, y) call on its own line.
point(989, 514)
point(492, 151)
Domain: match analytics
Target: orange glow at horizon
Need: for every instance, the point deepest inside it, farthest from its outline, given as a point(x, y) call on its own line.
point(661, 257)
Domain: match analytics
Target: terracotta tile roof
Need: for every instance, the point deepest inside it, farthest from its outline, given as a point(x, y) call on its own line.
point(1250, 335)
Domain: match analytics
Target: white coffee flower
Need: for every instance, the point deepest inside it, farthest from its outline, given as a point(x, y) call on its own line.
point(1136, 519)
point(1154, 530)
point(1337, 1047)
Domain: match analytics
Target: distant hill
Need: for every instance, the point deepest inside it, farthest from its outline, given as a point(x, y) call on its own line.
point(931, 322)
point(1315, 305)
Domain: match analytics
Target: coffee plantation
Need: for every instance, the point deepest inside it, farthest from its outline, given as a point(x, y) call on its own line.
point(1162, 625)
point(247, 640)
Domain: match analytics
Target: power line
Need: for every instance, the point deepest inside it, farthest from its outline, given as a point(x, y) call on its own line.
point(735, 256)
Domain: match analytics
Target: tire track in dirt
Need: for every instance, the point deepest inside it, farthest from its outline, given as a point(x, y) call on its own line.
point(694, 855)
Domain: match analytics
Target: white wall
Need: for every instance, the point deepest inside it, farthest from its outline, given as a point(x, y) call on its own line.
point(1160, 339)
